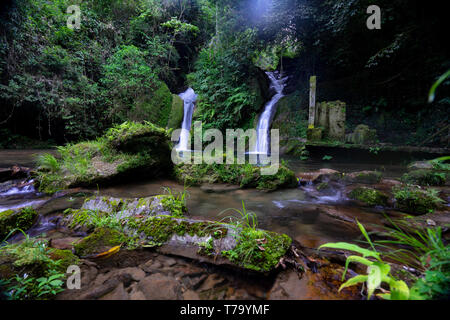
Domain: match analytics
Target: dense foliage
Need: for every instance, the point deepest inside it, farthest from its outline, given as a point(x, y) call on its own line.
point(63, 84)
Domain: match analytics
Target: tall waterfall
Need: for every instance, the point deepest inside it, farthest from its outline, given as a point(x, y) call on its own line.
point(189, 97)
point(265, 120)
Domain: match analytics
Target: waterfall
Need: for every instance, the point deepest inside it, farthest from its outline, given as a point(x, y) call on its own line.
point(189, 97)
point(265, 120)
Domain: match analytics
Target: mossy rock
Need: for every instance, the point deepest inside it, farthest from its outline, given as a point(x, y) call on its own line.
point(127, 150)
point(362, 135)
point(323, 186)
point(314, 134)
point(370, 197)
point(132, 137)
point(66, 258)
point(259, 250)
point(35, 260)
point(154, 107)
point(425, 178)
point(177, 113)
point(16, 219)
point(101, 240)
point(246, 176)
point(364, 177)
point(415, 200)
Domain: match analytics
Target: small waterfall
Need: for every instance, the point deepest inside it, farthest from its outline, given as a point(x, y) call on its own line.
point(265, 120)
point(189, 97)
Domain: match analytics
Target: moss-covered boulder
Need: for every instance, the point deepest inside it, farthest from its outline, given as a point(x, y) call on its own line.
point(415, 200)
point(154, 107)
point(314, 134)
point(129, 226)
point(369, 197)
point(34, 258)
point(101, 240)
point(126, 151)
point(16, 219)
point(362, 135)
point(425, 177)
point(364, 177)
point(177, 113)
point(116, 209)
point(246, 176)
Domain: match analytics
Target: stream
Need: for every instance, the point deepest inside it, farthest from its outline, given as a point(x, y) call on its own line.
point(308, 216)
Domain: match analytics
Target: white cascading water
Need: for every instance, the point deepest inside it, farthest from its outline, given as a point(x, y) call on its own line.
point(189, 97)
point(265, 120)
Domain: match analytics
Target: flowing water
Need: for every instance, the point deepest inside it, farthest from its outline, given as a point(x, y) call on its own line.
point(277, 83)
point(303, 213)
point(189, 97)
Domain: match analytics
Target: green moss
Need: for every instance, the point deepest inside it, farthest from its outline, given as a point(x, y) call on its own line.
point(322, 186)
point(154, 107)
point(176, 207)
point(415, 200)
point(99, 241)
point(369, 196)
point(65, 258)
point(425, 178)
point(314, 134)
point(21, 219)
point(124, 150)
point(245, 175)
point(365, 177)
point(177, 113)
point(258, 250)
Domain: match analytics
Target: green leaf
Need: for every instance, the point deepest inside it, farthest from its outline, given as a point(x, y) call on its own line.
point(354, 281)
point(373, 280)
point(352, 247)
point(358, 259)
point(366, 235)
point(399, 290)
point(432, 93)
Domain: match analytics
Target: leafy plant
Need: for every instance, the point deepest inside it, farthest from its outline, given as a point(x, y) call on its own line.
point(378, 272)
point(327, 158)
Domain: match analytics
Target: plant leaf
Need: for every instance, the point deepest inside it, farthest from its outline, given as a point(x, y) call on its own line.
point(373, 279)
point(352, 247)
point(354, 281)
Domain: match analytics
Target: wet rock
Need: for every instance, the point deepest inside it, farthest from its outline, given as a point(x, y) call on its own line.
point(98, 291)
point(160, 287)
point(191, 295)
point(137, 296)
point(64, 243)
point(136, 274)
point(415, 200)
point(88, 276)
point(152, 266)
point(212, 282)
point(364, 177)
point(101, 240)
point(419, 165)
point(169, 262)
point(16, 219)
point(118, 293)
point(425, 178)
point(321, 176)
point(369, 196)
point(219, 188)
